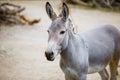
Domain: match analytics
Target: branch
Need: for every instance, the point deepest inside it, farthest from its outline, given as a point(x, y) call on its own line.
point(9, 4)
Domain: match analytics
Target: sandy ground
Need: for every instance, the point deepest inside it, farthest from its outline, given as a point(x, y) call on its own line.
point(22, 47)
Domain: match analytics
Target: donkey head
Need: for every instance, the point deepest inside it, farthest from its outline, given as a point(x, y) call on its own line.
point(58, 31)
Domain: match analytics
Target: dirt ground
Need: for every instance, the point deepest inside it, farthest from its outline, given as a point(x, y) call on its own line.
point(22, 47)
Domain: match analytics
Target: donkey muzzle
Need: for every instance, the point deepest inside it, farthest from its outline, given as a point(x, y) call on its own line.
point(49, 56)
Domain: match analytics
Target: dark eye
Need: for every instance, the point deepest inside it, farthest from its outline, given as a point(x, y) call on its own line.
point(62, 32)
point(48, 31)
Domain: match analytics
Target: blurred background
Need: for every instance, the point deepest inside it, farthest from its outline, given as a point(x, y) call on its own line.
point(23, 34)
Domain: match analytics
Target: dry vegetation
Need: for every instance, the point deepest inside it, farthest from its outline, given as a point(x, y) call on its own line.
point(11, 14)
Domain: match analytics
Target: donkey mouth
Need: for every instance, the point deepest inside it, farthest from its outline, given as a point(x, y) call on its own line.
point(50, 58)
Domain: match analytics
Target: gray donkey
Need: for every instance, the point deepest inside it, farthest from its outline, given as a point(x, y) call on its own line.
point(84, 53)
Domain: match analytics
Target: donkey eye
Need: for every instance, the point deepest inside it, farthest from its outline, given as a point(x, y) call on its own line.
point(62, 32)
point(48, 31)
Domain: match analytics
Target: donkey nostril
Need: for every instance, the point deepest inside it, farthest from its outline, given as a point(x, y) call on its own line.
point(52, 53)
point(46, 54)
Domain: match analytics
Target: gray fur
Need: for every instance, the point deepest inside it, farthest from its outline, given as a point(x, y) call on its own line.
point(84, 53)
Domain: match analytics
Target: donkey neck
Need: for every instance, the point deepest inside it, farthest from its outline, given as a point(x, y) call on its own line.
point(75, 44)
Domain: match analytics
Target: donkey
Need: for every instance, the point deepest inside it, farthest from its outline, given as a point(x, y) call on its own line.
point(82, 53)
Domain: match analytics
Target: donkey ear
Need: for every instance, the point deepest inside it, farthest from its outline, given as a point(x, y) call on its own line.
point(50, 11)
point(65, 11)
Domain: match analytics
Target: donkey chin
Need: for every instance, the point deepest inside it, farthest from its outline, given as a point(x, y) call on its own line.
point(52, 55)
